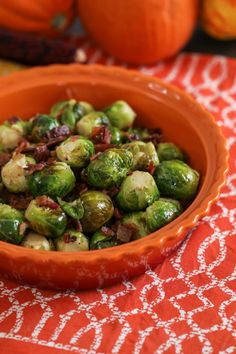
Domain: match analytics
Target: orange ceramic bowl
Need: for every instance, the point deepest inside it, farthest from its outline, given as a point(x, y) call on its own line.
point(182, 121)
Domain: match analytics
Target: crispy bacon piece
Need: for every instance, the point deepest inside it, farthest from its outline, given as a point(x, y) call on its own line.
point(107, 231)
point(56, 132)
point(44, 201)
point(126, 232)
point(20, 201)
point(68, 238)
point(101, 135)
point(95, 156)
point(23, 145)
point(113, 191)
point(151, 168)
point(23, 226)
point(41, 152)
point(56, 141)
point(103, 147)
point(118, 214)
point(31, 168)
point(4, 158)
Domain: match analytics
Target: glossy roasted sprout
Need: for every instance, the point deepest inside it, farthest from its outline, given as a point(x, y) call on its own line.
point(120, 114)
point(177, 180)
point(98, 209)
point(11, 221)
point(169, 151)
point(75, 151)
point(14, 173)
point(72, 241)
point(46, 217)
point(137, 191)
point(55, 180)
point(80, 178)
point(109, 168)
point(37, 242)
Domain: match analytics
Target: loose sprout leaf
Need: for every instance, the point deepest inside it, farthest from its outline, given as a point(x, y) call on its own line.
point(73, 209)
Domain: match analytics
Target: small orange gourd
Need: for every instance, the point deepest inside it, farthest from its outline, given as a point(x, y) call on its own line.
point(139, 31)
point(37, 16)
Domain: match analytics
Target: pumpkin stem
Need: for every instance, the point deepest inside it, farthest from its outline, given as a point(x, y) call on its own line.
point(59, 21)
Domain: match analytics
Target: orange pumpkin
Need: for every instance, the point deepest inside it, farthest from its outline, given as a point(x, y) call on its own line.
point(39, 16)
point(219, 18)
point(139, 31)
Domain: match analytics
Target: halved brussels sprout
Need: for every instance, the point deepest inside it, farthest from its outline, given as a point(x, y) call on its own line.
point(37, 242)
point(94, 119)
point(161, 213)
point(109, 168)
point(98, 209)
point(73, 209)
point(99, 241)
point(14, 173)
point(41, 124)
point(169, 151)
point(10, 222)
point(137, 222)
point(55, 180)
point(44, 219)
point(70, 111)
point(120, 114)
point(144, 154)
point(72, 241)
point(75, 151)
point(9, 138)
point(175, 179)
point(137, 191)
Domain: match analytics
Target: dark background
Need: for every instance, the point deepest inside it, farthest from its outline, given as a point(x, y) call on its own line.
point(202, 43)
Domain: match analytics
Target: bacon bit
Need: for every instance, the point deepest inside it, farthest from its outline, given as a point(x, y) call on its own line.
point(31, 168)
point(131, 136)
point(4, 158)
point(68, 238)
point(56, 141)
point(103, 147)
point(56, 132)
point(130, 173)
point(81, 188)
point(41, 152)
point(23, 226)
point(118, 214)
point(13, 120)
point(24, 144)
point(107, 231)
point(44, 201)
point(151, 167)
point(78, 225)
point(95, 156)
point(126, 232)
point(19, 202)
point(51, 161)
point(113, 191)
point(101, 135)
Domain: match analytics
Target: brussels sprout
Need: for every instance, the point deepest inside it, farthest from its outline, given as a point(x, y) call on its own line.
point(169, 151)
point(98, 209)
point(161, 213)
point(88, 107)
point(109, 168)
point(137, 221)
point(9, 138)
point(73, 209)
point(41, 124)
point(120, 114)
point(72, 241)
point(93, 119)
point(99, 240)
point(55, 180)
point(44, 219)
point(176, 179)
point(116, 135)
point(14, 173)
point(75, 151)
point(137, 191)
point(69, 112)
point(37, 242)
point(144, 154)
point(10, 222)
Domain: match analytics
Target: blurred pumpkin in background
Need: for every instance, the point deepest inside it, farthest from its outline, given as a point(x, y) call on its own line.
point(37, 16)
point(139, 31)
point(219, 18)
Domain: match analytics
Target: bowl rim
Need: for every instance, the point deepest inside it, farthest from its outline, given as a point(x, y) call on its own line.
point(159, 237)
